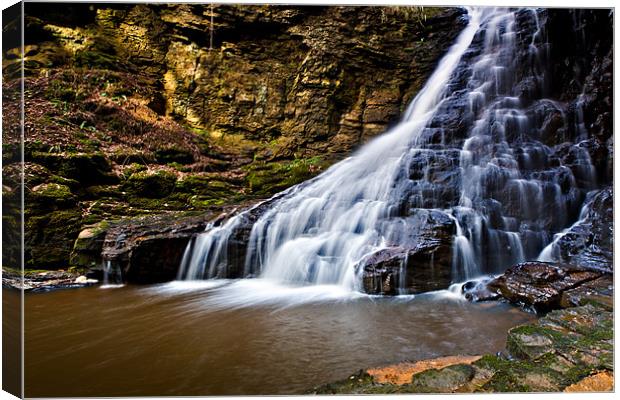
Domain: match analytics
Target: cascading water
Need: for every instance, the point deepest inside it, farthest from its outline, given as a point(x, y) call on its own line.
point(469, 148)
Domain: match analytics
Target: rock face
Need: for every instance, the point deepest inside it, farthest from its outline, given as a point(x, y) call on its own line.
point(148, 250)
point(145, 109)
point(589, 243)
point(142, 109)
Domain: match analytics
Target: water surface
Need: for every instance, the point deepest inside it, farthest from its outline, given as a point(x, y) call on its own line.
point(243, 337)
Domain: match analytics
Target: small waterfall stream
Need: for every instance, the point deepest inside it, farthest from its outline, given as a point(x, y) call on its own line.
point(471, 147)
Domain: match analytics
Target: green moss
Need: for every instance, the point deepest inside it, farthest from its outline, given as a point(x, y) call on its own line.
point(50, 237)
point(174, 154)
point(163, 204)
point(42, 196)
point(104, 191)
point(205, 186)
point(359, 383)
point(154, 185)
point(268, 178)
point(133, 168)
point(492, 362)
point(202, 202)
point(445, 380)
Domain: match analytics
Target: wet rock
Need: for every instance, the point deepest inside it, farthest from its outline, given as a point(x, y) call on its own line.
point(479, 290)
point(89, 245)
point(590, 242)
point(149, 250)
point(424, 265)
point(539, 285)
point(598, 292)
point(43, 281)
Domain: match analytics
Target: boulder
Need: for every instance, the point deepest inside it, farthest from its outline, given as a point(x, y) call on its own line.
point(422, 263)
point(478, 290)
point(539, 285)
point(150, 184)
point(89, 245)
point(445, 380)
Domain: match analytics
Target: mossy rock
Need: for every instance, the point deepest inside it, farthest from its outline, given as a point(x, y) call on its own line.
point(11, 237)
point(174, 155)
point(154, 185)
point(86, 252)
point(268, 178)
point(205, 186)
point(91, 168)
point(203, 202)
point(151, 204)
point(359, 383)
point(530, 341)
point(549, 373)
point(41, 197)
point(445, 380)
point(101, 191)
point(133, 168)
point(50, 237)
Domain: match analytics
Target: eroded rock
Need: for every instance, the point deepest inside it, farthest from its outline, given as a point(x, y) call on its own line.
point(422, 265)
point(589, 243)
point(539, 285)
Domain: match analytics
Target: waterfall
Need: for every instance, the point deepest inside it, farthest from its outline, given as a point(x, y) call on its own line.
point(469, 147)
point(112, 275)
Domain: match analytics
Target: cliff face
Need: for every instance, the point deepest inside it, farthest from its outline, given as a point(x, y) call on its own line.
point(141, 109)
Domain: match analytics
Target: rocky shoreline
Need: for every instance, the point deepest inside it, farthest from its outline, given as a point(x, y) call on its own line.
point(43, 281)
point(570, 348)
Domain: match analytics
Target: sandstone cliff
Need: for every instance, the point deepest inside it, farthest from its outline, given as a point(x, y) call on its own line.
point(142, 109)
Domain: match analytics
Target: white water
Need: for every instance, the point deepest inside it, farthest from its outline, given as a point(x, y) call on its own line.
point(319, 232)
point(112, 276)
point(549, 253)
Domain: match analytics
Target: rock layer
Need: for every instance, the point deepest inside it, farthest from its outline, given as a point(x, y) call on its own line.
point(142, 109)
point(539, 285)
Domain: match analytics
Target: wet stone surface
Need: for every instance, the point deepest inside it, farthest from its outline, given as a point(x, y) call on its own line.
point(567, 349)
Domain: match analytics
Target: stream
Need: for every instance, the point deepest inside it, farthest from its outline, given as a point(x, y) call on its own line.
point(239, 337)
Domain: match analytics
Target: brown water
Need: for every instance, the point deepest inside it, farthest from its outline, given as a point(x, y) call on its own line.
point(242, 338)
